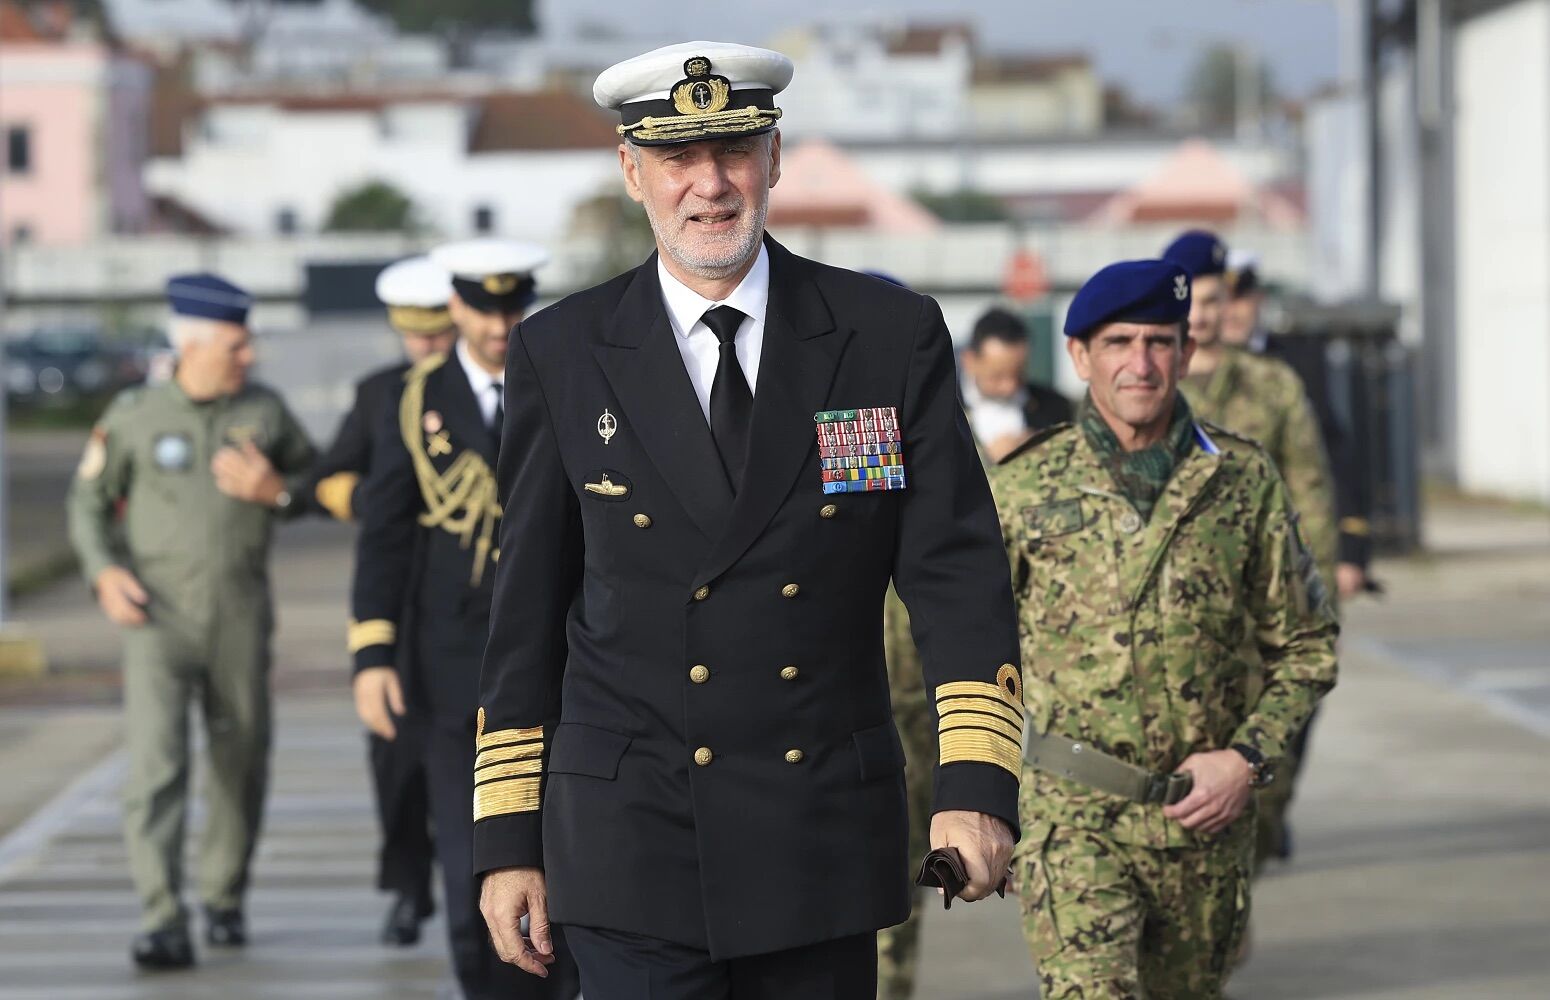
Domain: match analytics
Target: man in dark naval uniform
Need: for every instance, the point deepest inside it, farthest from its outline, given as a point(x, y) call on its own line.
point(424, 566)
point(415, 292)
point(712, 467)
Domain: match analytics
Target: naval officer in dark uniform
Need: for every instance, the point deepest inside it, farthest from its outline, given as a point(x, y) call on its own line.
point(712, 467)
point(415, 292)
point(424, 567)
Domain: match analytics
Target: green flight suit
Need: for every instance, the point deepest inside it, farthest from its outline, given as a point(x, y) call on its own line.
point(203, 559)
point(1133, 625)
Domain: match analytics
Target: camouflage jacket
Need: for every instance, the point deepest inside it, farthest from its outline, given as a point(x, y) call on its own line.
point(1134, 632)
point(1264, 400)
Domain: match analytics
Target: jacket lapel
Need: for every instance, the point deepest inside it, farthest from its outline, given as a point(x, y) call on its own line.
point(658, 404)
point(461, 409)
point(796, 368)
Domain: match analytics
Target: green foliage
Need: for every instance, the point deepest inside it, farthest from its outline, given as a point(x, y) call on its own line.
point(519, 16)
point(963, 205)
point(1221, 78)
point(376, 207)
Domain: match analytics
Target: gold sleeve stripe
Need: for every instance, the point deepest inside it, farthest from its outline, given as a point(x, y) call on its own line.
point(1011, 730)
point(993, 706)
point(978, 689)
point(500, 737)
point(1355, 526)
point(334, 492)
point(501, 798)
point(979, 747)
point(376, 632)
point(521, 751)
point(510, 769)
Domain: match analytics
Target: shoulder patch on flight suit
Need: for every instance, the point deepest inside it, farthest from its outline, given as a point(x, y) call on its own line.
point(1062, 517)
point(95, 458)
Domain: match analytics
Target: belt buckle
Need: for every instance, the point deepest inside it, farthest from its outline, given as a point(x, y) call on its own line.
point(1177, 787)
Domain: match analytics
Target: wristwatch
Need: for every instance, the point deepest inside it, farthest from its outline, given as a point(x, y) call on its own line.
point(1263, 771)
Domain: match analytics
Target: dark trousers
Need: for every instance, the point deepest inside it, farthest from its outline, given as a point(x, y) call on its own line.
point(620, 966)
point(403, 812)
point(449, 770)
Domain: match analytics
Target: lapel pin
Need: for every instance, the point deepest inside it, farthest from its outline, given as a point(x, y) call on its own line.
point(607, 426)
point(607, 487)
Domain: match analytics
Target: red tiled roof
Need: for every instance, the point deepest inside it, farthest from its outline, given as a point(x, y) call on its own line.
point(541, 120)
point(929, 39)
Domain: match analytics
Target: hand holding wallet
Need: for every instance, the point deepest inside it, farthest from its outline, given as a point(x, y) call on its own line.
point(943, 869)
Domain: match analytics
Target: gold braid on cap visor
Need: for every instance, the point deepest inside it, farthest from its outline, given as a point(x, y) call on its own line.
point(697, 126)
point(419, 319)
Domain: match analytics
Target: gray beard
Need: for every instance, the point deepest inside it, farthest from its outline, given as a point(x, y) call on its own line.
point(720, 265)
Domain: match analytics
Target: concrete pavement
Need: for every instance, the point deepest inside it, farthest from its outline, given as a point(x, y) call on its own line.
point(1423, 828)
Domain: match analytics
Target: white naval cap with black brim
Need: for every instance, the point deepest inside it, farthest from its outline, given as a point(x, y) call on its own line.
point(490, 274)
point(693, 91)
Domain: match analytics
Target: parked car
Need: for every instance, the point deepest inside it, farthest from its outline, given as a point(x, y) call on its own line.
point(61, 365)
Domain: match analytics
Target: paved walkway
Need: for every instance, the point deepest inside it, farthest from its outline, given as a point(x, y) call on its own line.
point(1423, 827)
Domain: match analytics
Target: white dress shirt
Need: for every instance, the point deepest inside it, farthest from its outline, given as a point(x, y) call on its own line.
point(482, 382)
point(697, 342)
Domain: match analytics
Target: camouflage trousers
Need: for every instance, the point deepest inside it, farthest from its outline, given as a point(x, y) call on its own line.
point(1111, 921)
point(898, 948)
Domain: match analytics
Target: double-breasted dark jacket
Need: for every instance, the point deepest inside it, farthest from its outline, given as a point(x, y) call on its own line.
point(684, 705)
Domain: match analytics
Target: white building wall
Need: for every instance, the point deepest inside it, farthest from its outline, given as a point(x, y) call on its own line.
point(1503, 225)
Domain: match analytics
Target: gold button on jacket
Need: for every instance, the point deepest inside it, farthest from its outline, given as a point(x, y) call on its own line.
point(702, 593)
point(703, 756)
point(790, 590)
point(699, 673)
point(793, 756)
point(642, 520)
point(828, 510)
point(788, 673)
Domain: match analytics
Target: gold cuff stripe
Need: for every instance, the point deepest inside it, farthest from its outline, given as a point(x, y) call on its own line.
point(952, 720)
point(959, 746)
point(376, 632)
point(1355, 526)
point(975, 689)
point(501, 798)
point(993, 706)
point(510, 769)
point(501, 737)
point(521, 751)
point(334, 492)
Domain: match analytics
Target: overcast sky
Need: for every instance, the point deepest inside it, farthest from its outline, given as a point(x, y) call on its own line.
point(1146, 45)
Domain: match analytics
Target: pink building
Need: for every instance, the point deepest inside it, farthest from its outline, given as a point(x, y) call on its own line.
point(73, 130)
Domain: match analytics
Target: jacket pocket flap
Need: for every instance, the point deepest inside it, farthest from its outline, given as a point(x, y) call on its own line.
point(879, 751)
point(582, 749)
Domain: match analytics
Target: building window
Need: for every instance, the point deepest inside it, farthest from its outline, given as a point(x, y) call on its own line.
point(285, 221)
point(18, 149)
point(484, 219)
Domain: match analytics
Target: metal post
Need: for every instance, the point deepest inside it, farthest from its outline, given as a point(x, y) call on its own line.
point(1372, 28)
point(1434, 117)
point(5, 572)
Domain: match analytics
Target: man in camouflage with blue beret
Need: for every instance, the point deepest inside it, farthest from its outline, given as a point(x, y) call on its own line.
point(1146, 549)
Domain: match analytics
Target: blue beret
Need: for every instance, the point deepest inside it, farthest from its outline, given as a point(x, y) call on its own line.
point(206, 296)
point(1132, 291)
point(1198, 252)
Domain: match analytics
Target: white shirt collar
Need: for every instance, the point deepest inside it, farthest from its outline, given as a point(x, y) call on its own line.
point(479, 381)
point(685, 306)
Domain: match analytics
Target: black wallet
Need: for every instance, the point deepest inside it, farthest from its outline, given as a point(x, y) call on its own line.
point(943, 869)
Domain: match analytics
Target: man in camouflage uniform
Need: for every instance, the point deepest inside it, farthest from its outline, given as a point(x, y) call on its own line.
point(1261, 398)
point(192, 464)
point(1146, 549)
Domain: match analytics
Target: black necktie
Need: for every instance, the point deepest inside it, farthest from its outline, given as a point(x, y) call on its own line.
point(731, 403)
point(500, 413)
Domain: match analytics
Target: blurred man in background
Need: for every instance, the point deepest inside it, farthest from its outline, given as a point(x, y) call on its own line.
point(1004, 407)
point(202, 466)
point(416, 292)
point(424, 567)
point(1263, 399)
point(1241, 327)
